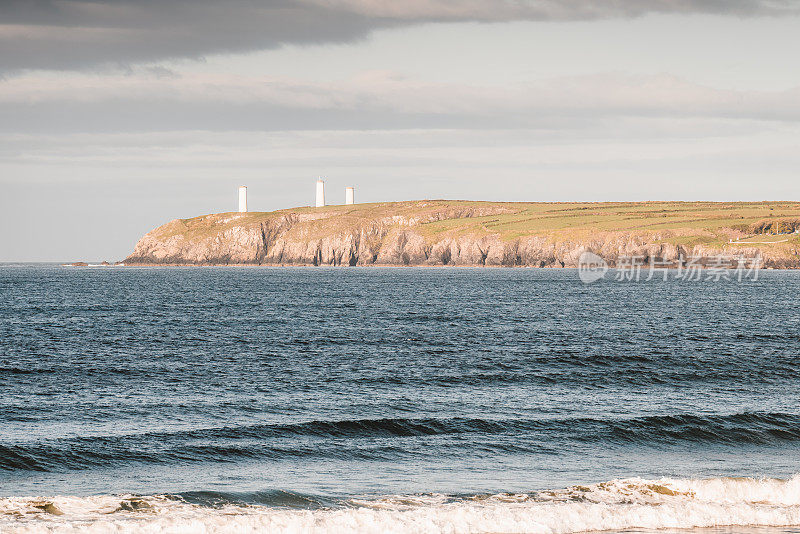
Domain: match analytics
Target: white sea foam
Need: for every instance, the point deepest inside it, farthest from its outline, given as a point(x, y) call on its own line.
point(614, 505)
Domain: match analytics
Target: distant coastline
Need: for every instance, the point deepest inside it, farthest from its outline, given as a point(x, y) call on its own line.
point(481, 234)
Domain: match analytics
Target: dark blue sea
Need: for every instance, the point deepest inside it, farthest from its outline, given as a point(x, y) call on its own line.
point(396, 400)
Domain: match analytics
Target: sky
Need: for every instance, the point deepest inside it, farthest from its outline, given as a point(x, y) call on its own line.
point(117, 116)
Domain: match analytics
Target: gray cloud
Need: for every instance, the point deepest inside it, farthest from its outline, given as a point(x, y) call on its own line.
point(71, 34)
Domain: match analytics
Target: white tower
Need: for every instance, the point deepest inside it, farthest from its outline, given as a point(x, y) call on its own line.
point(349, 195)
point(320, 193)
point(243, 199)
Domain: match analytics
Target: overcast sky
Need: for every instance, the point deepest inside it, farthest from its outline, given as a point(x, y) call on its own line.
point(119, 115)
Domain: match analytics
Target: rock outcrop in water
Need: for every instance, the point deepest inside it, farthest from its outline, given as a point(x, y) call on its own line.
point(451, 233)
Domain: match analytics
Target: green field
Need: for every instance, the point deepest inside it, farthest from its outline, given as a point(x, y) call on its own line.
point(698, 222)
point(712, 224)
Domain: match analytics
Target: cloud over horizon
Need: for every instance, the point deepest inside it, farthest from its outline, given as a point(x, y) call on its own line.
point(117, 115)
point(378, 100)
point(75, 34)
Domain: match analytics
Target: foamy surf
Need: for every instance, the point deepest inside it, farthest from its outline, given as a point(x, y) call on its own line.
point(615, 505)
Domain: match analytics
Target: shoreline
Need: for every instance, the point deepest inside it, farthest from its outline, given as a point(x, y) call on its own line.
point(642, 268)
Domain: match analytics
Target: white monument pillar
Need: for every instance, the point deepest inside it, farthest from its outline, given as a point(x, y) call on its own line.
point(349, 195)
point(243, 199)
point(320, 193)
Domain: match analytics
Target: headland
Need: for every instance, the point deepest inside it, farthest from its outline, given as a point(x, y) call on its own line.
point(476, 233)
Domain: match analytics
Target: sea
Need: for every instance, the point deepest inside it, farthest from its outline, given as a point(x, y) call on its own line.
point(396, 400)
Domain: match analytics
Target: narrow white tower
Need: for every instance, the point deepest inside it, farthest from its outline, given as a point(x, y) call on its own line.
point(320, 193)
point(243, 199)
point(349, 195)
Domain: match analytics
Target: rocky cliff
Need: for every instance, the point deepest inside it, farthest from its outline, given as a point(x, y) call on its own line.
point(474, 233)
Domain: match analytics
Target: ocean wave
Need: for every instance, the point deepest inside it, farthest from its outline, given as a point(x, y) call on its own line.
point(367, 439)
point(614, 505)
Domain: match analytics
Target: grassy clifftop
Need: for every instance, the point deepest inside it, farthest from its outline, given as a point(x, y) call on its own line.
point(710, 223)
point(384, 227)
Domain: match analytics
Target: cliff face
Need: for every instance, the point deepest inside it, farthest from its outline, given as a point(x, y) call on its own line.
point(425, 233)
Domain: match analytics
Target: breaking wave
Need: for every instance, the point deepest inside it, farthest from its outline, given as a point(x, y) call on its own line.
point(614, 505)
point(344, 439)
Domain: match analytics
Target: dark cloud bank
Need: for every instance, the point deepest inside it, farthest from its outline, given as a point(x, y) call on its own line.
point(72, 34)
